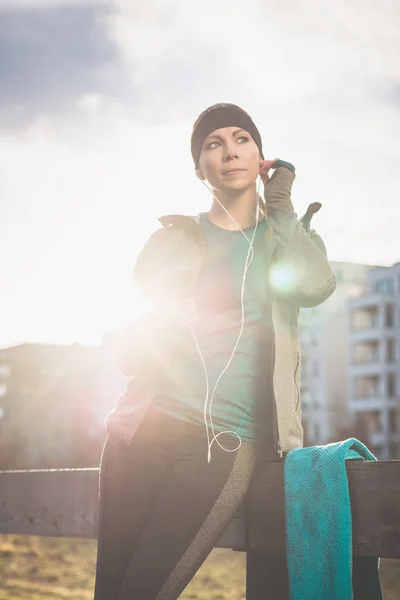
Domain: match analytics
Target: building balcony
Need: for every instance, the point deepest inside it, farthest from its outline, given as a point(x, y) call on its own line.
point(365, 369)
point(380, 438)
point(366, 403)
point(371, 402)
point(370, 300)
point(365, 334)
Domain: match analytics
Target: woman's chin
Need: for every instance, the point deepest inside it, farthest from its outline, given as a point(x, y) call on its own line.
point(238, 185)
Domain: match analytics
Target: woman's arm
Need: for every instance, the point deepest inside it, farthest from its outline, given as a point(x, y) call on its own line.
point(136, 346)
point(302, 272)
point(145, 345)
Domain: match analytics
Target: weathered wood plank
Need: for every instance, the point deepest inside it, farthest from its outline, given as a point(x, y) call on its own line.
point(59, 503)
point(375, 502)
point(63, 503)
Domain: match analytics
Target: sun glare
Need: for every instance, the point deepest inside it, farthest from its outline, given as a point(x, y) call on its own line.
point(283, 278)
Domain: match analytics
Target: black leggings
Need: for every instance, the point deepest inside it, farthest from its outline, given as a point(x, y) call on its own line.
point(163, 507)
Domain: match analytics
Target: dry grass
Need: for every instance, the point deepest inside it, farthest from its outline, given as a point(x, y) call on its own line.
point(34, 568)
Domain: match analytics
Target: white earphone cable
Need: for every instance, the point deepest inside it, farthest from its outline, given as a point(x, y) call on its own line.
point(249, 259)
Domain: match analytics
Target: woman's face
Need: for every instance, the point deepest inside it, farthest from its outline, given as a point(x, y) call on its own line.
point(229, 159)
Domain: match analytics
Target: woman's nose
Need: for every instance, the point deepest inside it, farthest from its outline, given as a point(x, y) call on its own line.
point(230, 152)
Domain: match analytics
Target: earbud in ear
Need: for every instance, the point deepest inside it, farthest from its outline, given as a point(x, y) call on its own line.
point(200, 175)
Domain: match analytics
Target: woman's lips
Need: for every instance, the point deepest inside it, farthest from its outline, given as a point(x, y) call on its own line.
point(233, 172)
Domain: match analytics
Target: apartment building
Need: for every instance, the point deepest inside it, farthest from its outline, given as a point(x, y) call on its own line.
point(374, 372)
point(53, 402)
point(324, 333)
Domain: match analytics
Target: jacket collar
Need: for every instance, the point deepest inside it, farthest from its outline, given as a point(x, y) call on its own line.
point(191, 224)
point(168, 220)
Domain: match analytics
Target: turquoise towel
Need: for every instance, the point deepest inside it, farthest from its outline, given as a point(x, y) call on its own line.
point(318, 522)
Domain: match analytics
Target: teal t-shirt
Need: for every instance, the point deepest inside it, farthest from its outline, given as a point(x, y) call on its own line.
point(182, 390)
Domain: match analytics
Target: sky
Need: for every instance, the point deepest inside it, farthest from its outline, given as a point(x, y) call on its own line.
point(97, 102)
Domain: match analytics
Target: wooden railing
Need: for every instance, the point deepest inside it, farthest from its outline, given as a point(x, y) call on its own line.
point(64, 503)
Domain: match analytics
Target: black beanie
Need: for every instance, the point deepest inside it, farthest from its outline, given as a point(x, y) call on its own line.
point(218, 116)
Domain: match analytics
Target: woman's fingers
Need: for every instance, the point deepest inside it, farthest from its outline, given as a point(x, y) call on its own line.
point(265, 166)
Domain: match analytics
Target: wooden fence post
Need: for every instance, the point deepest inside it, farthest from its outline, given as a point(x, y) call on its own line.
point(266, 573)
point(266, 577)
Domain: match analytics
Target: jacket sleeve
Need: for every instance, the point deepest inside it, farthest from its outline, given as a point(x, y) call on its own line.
point(142, 346)
point(301, 272)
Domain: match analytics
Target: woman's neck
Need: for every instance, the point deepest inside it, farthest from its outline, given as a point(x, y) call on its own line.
point(242, 206)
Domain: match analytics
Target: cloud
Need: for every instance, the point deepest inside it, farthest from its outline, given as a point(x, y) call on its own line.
point(274, 49)
point(96, 119)
point(319, 79)
point(38, 4)
point(51, 56)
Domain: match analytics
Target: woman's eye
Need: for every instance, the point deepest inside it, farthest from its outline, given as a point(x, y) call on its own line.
point(215, 143)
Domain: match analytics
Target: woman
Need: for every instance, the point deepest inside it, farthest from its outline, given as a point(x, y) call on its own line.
point(214, 365)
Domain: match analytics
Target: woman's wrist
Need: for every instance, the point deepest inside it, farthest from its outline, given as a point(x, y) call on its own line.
point(283, 163)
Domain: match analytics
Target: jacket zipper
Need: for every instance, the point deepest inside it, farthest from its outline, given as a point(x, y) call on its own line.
point(295, 382)
point(278, 448)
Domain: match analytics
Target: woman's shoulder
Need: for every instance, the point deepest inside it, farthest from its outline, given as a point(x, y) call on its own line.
point(165, 243)
point(178, 219)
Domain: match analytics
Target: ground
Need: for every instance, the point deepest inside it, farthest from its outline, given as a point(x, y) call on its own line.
point(33, 568)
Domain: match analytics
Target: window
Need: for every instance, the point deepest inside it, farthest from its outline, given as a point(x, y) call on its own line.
point(371, 421)
point(384, 286)
point(391, 385)
point(366, 353)
point(366, 387)
point(391, 350)
point(365, 318)
point(392, 421)
point(389, 315)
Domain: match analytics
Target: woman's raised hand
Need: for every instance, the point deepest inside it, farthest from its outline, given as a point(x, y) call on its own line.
point(265, 166)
